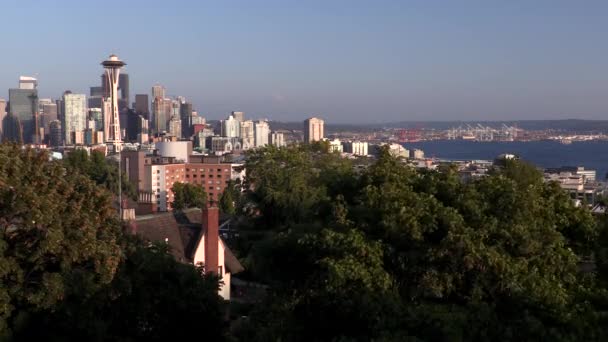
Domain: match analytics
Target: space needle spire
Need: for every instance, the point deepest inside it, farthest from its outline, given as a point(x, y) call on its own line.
point(113, 66)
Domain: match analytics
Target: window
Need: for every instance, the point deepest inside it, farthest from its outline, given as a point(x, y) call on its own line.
point(218, 182)
point(187, 170)
point(157, 184)
point(210, 176)
point(157, 171)
point(211, 188)
point(218, 188)
point(220, 271)
point(187, 176)
point(219, 170)
point(219, 176)
point(193, 176)
point(157, 196)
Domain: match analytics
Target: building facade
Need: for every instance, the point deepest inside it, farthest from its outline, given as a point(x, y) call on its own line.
point(262, 131)
point(75, 116)
point(313, 129)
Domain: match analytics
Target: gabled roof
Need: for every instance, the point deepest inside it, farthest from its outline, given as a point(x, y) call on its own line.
point(183, 232)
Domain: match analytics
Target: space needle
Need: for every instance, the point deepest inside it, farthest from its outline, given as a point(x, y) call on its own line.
point(113, 136)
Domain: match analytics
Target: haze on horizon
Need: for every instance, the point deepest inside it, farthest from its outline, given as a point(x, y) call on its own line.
point(351, 61)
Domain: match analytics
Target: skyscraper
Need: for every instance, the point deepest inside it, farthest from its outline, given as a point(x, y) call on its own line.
point(313, 129)
point(96, 115)
point(240, 116)
point(113, 66)
point(175, 126)
point(159, 115)
point(55, 133)
point(185, 114)
point(48, 114)
point(158, 91)
point(247, 134)
point(2, 116)
point(262, 130)
point(23, 107)
point(142, 105)
point(27, 82)
point(231, 127)
point(74, 116)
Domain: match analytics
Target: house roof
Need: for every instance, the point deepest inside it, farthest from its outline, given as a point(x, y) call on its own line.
point(183, 232)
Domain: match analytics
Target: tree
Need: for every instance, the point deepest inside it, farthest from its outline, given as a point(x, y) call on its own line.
point(59, 236)
point(495, 258)
point(282, 185)
point(188, 196)
point(152, 298)
point(103, 172)
point(227, 199)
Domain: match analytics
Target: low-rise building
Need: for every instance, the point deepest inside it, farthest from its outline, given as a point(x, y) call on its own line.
point(194, 238)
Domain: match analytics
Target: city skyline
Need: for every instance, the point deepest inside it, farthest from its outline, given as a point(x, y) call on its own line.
point(348, 62)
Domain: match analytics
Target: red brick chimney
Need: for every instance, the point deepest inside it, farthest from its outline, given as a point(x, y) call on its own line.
point(211, 218)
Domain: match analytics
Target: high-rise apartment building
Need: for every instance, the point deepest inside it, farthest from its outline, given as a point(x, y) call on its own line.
point(74, 116)
point(262, 130)
point(158, 91)
point(248, 134)
point(240, 116)
point(277, 139)
point(159, 115)
point(231, 127)
point(175, 126)
point(313, 129)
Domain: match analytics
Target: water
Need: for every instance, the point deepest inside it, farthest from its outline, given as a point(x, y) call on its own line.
point(593, 155)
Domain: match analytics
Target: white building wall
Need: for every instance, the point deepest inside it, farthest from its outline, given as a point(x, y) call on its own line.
point(75, 115)
point(199, 259)
point(262, 129)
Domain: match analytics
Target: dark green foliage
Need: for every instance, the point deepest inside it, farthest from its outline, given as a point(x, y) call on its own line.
point(59, 236)
point(152, 298)
point(229, 198)
point(188, 196)
point(68, 273)
point(102, 171)
point(399, 254)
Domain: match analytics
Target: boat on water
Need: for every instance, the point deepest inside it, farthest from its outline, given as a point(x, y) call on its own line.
point(566, 141)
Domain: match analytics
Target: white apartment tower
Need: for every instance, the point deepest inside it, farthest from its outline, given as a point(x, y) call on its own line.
point(262, 130)
point(313, 129)
point(74, 116)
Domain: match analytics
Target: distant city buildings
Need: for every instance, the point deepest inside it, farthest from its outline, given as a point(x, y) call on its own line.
point(313, 130)
point(22, 125)
point(75, 117)
point(262, 131)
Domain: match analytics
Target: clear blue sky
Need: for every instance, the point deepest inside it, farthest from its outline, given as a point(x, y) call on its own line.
point(347, 61)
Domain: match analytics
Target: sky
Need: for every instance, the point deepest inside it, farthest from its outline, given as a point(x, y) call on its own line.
point(352, 61)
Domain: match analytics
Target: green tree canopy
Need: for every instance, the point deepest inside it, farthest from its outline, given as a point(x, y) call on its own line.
point(187, 195)
point(424, 254)
point(59, 235)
